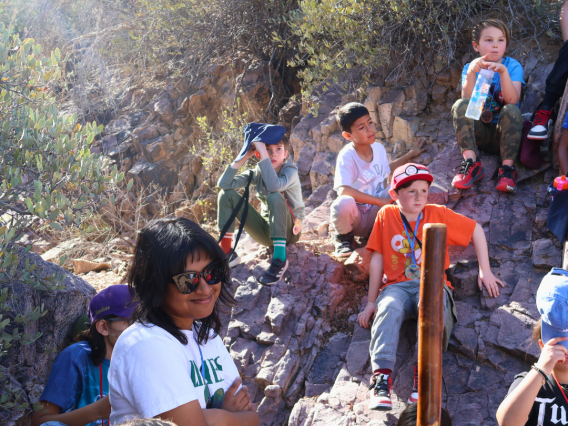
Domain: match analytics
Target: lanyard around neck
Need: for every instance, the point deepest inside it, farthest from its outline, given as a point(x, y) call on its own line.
point(202, 364)
point(408, 235)
point(207, 403)
point(561, 390)
point(101, 380)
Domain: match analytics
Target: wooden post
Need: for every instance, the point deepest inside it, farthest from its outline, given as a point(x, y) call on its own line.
point(431, 325)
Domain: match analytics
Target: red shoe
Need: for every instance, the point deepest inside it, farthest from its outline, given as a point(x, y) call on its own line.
point(507, 179)
point(541, 124)
point(470, 172)
point(414, 395)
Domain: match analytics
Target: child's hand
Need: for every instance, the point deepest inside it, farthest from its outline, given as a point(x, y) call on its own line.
point(239, 401)
point(417, 148)
point(249, 154)
point(260, 147)
point(500, 68)
point(364, 317)
point(490, 282)
point(477, 65)
point(552, 352)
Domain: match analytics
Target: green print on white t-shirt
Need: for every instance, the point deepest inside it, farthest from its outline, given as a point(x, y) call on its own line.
point(211, 366)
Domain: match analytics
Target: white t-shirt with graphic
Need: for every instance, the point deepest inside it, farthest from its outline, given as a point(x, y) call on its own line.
point(366, 177)
point(151, 372)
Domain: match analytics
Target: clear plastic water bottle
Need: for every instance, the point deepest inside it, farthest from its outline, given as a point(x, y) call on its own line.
point(479, 94)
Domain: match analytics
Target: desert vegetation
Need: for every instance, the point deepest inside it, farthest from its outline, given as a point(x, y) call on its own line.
point(69, 68)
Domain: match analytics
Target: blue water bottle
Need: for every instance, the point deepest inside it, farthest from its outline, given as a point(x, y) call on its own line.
point(479, 94)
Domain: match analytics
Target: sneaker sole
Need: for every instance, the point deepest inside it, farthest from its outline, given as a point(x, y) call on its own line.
point(537, 138)
point(471, 182)
point(343, 254)
point(381, 407)
point(236, 261)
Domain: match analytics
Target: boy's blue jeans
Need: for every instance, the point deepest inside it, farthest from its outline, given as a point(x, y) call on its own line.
point(53, 424)
point(397, 303)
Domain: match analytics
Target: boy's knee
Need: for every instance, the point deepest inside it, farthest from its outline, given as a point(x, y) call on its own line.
point(343, 204)
point(460, 107)
point(225, 194)
point(390, 305)
point(512, 112)
point(275, 198)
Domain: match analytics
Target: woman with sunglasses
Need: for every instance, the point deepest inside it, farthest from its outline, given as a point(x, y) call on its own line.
point(171, 363)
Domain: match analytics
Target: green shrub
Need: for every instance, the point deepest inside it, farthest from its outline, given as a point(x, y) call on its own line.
point(338, 36)
point(48, 175)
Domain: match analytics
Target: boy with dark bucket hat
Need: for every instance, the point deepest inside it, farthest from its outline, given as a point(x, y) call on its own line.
point(538, 397)
point(77, 388)
point(278, 189)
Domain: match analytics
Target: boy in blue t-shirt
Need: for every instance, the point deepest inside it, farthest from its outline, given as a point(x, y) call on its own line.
point(499, 129)
point(76, 392)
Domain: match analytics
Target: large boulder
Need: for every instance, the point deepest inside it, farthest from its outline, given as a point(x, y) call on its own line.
point(145, 173)
point(27, 367)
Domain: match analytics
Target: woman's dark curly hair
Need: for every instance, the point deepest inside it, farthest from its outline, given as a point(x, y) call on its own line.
point(162, 250)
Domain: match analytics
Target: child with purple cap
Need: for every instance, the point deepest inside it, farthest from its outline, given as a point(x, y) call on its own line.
point(76, 393)
point(539, 396)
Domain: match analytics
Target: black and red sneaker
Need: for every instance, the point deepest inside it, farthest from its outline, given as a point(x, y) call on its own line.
point(380, 395)
point(469, 173)
point(507, 179)
point(414, 395)
point(541, 125)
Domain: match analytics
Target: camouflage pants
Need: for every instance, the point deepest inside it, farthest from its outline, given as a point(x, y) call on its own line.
point(502, 138)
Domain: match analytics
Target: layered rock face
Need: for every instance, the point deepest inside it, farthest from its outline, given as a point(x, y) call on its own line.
point(151, 137)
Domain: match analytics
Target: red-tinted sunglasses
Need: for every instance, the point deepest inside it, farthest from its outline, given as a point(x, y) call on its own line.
point(187, 282)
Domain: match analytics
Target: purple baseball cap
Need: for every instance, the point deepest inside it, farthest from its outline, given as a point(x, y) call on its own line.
point(552, 304)
point(114, 300)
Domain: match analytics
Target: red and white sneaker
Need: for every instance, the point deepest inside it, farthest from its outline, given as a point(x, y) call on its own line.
point(414, 395)
point(507, 179)
point(380, 395)
point(470, 172)
point(542, 123)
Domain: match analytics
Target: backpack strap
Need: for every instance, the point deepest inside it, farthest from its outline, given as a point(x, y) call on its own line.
point(244, 199)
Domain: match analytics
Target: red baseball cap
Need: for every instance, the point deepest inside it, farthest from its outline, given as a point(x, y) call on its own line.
point(409, 172)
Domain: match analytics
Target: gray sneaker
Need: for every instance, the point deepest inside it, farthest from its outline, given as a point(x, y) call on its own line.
point(274, 272)
point(343, 244)
point(233, 258)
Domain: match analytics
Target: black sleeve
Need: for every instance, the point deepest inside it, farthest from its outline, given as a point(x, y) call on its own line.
point(518, 379)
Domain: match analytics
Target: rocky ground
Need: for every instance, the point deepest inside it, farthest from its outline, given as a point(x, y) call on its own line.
point(490, 343)
point(296, 343)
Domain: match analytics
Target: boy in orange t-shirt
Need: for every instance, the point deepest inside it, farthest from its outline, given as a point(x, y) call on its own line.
point(391, 241)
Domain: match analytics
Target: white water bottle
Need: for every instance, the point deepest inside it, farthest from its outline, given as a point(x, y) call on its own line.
point(479, 94)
